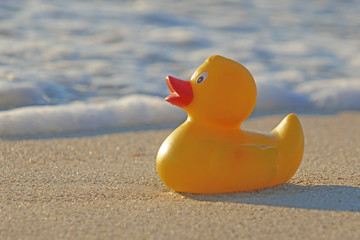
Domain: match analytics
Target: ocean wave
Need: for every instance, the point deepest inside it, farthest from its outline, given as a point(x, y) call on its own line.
point(130, 111)
point(144, 110)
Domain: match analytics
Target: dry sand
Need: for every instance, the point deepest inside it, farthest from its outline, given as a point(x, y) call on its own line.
point(106, 187)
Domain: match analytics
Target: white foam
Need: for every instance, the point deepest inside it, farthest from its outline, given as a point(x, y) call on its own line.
point(140, 110)
point(272, 97)
point(130, 111)
point(332, 94)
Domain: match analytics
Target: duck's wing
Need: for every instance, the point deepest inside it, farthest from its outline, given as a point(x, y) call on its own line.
point(250, 166)
point(288, 138)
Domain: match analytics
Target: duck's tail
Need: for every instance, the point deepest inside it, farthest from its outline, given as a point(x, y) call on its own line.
point(290, 136)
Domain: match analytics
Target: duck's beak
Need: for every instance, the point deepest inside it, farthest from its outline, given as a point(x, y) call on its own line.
point(181, 92)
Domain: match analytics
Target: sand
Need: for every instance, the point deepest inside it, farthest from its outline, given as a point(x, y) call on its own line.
point(106, 187)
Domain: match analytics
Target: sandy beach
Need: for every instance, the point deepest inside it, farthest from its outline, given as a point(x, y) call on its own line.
point(89, 67)
point(106, 187)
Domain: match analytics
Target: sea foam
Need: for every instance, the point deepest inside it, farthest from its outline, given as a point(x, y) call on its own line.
point(130, 111)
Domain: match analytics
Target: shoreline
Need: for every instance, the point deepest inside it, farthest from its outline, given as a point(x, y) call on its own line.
point(166, 126)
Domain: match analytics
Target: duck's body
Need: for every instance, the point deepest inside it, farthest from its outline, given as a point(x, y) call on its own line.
point(210, 153)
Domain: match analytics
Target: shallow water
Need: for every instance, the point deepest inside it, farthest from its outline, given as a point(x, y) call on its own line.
point(61, 60)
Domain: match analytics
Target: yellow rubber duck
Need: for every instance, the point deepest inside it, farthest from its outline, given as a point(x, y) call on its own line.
point(209, 152)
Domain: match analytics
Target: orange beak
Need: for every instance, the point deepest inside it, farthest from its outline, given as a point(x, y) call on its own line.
point(181, 92)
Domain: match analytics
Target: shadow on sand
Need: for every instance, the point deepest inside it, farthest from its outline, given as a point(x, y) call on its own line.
point(319, 197)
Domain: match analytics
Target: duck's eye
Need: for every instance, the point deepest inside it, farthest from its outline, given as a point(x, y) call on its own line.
point(202, 77)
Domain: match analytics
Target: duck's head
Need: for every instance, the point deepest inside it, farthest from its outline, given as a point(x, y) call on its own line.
point(221, 91)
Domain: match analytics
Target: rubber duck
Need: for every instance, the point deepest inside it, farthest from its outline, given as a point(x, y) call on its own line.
point(210, 152)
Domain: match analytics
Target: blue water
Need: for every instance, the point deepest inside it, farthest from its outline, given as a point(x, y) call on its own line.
point(62, 58)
